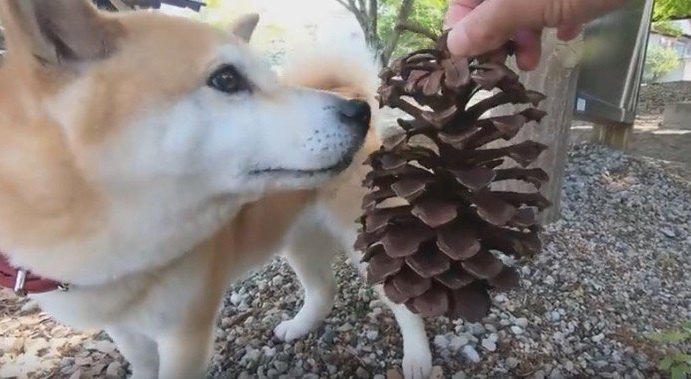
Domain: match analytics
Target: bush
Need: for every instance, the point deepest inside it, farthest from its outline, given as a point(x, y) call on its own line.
point(667, 28)
point(676, 361)
point(659, 61)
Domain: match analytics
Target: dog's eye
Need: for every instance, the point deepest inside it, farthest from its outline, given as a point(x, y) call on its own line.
point(227, 79)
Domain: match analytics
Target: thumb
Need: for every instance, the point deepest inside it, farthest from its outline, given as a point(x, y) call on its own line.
point(491, 24)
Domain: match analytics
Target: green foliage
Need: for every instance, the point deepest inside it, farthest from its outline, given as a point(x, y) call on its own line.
point(667, 28)
point(677, 364)
point(659, 61)
point(426, 13)
point(668, 9)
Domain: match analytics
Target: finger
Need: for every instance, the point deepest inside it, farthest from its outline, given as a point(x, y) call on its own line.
point(528, 48)
point(569, 32)
point(491, 24)
point(459, 9)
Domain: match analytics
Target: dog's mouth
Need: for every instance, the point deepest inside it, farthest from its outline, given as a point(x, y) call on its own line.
point(336, 168)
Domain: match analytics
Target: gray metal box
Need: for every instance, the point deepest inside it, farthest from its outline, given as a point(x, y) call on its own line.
point(612, 65)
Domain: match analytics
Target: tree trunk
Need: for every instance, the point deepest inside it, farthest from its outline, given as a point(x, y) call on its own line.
point(555, 77)
point(389, 46)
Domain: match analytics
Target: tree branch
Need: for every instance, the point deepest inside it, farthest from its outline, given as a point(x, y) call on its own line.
point(364, 20)
point(403, 15)
point(374, 15)
point(417, 29)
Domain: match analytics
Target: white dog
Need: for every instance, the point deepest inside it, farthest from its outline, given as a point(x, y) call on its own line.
point(131, 146)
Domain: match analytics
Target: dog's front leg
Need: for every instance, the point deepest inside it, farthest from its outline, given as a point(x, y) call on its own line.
point(185, 354)
point(139, 350)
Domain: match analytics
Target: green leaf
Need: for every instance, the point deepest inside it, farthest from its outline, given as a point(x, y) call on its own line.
point(687, 327)
point(666, 9)
point(681, 357)
point(678, 372)
point(665, 364)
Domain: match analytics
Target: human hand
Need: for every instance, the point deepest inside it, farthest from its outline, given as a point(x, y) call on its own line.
point(479, 26)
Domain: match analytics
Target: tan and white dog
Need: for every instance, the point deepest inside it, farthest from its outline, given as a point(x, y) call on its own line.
point(130, 147)
point(148, 161)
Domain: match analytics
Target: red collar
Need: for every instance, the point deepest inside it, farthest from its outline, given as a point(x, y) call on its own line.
point(24, 282)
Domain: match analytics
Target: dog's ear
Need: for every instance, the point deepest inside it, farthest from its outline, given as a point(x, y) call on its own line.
point(244, 26)
point(58, 31)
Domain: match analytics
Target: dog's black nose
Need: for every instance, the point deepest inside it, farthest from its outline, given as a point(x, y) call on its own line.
point(356, 113)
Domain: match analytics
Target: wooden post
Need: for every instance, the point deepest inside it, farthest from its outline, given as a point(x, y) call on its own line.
point(615, 135)
point(556, 77)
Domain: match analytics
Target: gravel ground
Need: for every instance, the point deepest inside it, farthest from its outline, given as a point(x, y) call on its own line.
point(613, 269)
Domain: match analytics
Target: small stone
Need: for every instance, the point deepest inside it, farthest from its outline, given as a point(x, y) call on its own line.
point(113, 370)
point(393, 374)
point(598, 337)
point(476, 328)
point(569, 366)
point(345, 327)
point(251, 355)
point(555, 316)
point(277, 280)
point(459, 375)
point(609, 375)
point(379, 376)
point(517, 330)
point(328, 336)
point(372, 335)
point(668, 233)
point(471, 353)
point(441, 342)
point(489, 345)
point(511, 362)
point(235, 298)
point(269, 351)
point(280, 366)
point(437, 373)
point(556, 374)
point(457, 342)
point(362, 373)
point(600, 364)
point(521, 322)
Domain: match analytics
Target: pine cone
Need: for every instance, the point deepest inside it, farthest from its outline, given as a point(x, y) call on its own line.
point(438, 248)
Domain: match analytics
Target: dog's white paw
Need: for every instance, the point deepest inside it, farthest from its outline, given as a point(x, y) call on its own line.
point(292, 329)
point(417, 363)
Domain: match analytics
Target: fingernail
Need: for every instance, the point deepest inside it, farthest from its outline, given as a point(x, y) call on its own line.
point(458, 41)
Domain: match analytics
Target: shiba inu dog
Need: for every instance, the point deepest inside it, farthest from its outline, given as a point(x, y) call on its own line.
point(146, 161)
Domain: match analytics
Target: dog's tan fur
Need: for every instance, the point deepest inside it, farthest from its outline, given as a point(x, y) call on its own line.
point(155, 285)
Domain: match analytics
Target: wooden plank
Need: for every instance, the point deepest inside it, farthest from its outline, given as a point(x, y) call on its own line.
point(556, 77)
point(615, 135)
